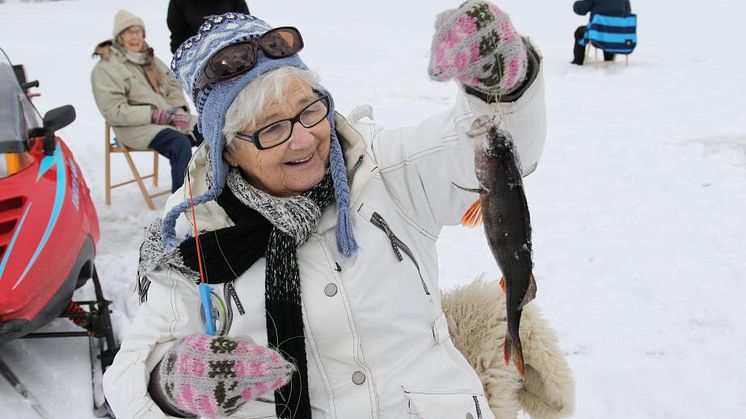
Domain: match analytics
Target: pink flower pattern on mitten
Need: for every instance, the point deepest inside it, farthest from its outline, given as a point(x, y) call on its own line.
point(466, 25)
point(477, 45)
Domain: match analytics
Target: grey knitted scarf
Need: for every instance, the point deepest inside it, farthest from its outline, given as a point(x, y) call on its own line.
point(294, 219)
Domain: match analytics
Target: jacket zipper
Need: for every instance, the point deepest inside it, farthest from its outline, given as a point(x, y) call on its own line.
point(479, 409)
point(356, 166)
point(398, 245)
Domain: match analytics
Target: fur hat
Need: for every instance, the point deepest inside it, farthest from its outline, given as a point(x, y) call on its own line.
point(213, 101)
point(123, 20)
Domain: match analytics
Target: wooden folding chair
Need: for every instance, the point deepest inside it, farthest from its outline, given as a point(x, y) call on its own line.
point(112, 146)
point(596, 61)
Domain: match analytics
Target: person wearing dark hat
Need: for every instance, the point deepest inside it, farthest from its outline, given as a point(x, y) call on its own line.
point(140, 98)
point(185, 16)
point(316, 235)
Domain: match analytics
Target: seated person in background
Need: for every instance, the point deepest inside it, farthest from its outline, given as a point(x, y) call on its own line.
point(185, 16)
point(140, 98)
point(601, 7)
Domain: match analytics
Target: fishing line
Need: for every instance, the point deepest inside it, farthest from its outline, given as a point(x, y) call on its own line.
point(220, 249)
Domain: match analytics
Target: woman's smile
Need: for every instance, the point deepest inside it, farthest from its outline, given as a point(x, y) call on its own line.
point(300, 162)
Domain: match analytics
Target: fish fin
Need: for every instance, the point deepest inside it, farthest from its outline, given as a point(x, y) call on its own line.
point(530, 292)
point(518, 359)
point(508, 345)
point(480, 189)
point(473, 215)
point(506, 348)
point(502, 284)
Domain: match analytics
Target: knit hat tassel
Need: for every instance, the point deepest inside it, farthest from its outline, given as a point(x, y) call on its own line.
point(346, 243)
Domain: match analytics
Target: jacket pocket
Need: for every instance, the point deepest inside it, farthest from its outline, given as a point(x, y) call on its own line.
point(447, 405)
point(398, 246)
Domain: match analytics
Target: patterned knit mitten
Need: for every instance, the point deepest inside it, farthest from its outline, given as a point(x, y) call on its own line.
point(159, 116)
point(180, 120)
point(212, 376)
point(478, 46)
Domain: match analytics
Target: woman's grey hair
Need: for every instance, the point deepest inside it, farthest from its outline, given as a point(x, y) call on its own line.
point(257, 95)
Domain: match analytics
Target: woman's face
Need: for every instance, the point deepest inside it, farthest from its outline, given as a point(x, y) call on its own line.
point(294, 166)
point(133, 38)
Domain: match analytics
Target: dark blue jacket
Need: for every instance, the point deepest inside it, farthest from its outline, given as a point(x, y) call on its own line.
point(185, 16)
point(602, 7)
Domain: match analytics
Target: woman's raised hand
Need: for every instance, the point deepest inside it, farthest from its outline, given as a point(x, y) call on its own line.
point(477, 45)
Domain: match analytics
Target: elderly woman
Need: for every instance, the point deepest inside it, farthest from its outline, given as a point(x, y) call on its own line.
point(317, 237)
point(140, 98)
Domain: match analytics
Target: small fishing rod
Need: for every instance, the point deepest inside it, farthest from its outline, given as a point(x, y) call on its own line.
point(204, 287)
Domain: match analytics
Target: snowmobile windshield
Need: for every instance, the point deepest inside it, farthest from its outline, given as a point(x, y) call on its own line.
point(17, 114)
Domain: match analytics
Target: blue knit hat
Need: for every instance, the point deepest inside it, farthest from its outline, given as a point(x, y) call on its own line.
point(212, 104)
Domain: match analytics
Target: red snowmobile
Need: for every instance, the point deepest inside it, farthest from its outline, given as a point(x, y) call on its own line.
point(48, 232)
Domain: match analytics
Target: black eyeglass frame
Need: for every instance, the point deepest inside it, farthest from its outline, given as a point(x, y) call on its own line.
point(209, 75)
point(254, 138)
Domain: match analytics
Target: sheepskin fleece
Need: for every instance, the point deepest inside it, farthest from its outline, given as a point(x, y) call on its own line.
point(477, 323)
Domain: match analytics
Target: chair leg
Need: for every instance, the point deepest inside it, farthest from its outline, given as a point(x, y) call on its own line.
point(155, 169)
point(139, 181)
point(626, 59)
point(595, 63)
point(107, 164)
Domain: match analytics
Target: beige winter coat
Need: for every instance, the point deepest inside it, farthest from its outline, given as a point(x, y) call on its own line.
point(125, 98)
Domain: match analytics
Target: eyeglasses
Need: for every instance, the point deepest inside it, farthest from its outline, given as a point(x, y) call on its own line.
point(235, 59)
point(133, 31)
point(278, 132)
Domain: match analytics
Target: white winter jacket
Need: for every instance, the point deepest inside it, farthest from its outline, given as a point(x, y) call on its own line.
point(377, 341)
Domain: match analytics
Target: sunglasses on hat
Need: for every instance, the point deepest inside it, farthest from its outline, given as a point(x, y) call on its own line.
point(235, 59)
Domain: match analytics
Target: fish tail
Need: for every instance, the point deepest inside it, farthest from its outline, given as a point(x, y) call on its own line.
point(518, 358)
point(514, 342)
point(473, 215)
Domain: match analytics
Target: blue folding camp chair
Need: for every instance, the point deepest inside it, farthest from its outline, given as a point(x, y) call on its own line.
point(612, 34)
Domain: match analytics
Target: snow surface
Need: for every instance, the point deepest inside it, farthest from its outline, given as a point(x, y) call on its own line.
point(638, 204)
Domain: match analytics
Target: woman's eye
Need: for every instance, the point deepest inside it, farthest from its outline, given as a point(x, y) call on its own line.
point(272, 129)
point(314, 109)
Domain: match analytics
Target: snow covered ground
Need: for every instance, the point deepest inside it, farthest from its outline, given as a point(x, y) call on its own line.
point(638, 204)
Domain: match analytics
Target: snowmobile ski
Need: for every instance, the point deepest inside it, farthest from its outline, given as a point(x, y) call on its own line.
point(22, 390)
point(101, 407)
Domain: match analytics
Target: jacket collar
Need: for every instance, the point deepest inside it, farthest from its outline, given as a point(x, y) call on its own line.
point(107, 50)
